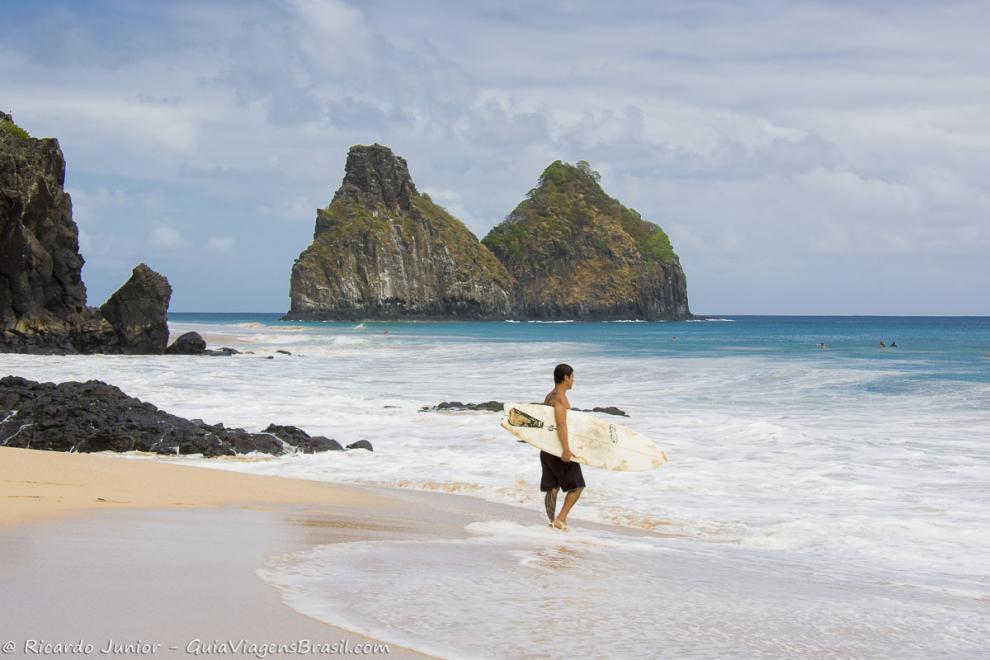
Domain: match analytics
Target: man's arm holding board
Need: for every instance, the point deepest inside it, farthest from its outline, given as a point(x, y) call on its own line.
point(560, 416)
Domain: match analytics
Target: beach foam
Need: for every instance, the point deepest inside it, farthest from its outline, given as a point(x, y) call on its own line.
point(498, 592)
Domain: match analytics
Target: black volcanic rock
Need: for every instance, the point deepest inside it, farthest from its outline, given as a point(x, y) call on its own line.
point(42, 296)
point(138, 312)
point(576, 253)
point(302, 441)
point(361, 444)
point(452, 406)
point(607, 410)
point(94, 416)
point(498, 406)
point(190, 343)
point(382, 250)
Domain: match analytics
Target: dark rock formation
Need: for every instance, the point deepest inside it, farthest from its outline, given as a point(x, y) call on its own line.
point(190, 343)
point(94, 416)
point(451, 406)
point(607, 410)
point(361, 444)
point(225, 350)
point(498, 406)
point(302, 441)
point(382, 250)
point(42, 296)
point(138, 312)
point(576, 253)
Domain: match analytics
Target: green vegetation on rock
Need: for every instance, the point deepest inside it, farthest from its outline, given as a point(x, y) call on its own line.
point(8, 126)
point(575, 252)
point(570, 195)
point(383, 250)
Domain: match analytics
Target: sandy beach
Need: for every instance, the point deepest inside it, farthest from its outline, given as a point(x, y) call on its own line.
point(101, 550)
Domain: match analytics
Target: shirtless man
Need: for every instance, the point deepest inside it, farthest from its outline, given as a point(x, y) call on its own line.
point(560, 473)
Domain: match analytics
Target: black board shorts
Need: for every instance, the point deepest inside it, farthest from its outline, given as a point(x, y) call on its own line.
point(558, 474)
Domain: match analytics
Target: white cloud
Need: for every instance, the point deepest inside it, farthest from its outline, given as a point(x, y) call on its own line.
point(222, 244)
point(88, 204)
point(164, 236)
point(298, 209)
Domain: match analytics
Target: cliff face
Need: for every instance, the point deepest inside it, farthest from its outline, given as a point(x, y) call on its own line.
point(576, 253)
point(42, 296)
point(382, 250)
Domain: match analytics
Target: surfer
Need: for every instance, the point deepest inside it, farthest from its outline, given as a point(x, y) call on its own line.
point(560, 473)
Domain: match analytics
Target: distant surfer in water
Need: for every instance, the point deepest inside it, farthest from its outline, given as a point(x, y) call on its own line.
point(560, 473)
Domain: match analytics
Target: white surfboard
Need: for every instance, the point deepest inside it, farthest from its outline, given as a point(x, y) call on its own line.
point(593, 441)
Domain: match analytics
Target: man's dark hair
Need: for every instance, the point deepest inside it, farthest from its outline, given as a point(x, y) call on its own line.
point(562, 371)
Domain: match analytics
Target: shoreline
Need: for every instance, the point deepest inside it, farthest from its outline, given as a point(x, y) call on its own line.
point(76, 527)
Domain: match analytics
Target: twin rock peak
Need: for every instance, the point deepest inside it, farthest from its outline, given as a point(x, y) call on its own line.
point(383, 250)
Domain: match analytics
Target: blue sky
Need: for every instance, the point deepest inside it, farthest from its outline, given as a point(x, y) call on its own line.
point(805, 158)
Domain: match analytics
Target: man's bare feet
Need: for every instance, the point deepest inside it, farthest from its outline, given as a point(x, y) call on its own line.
point(560, 524)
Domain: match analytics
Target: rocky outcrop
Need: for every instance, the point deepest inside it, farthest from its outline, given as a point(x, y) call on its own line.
point(138, 312)
point(576, 253)
point(361, 444)
point(382, 250)
point(457, 406)
point(94, 416)
point(498, 406)
point(190, 343)
point(42, 295)
point(303, 441)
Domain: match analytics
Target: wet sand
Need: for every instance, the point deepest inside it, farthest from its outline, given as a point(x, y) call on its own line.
point(99, 549)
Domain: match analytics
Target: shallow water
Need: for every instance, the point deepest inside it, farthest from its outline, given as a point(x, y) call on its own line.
point(512, 590)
